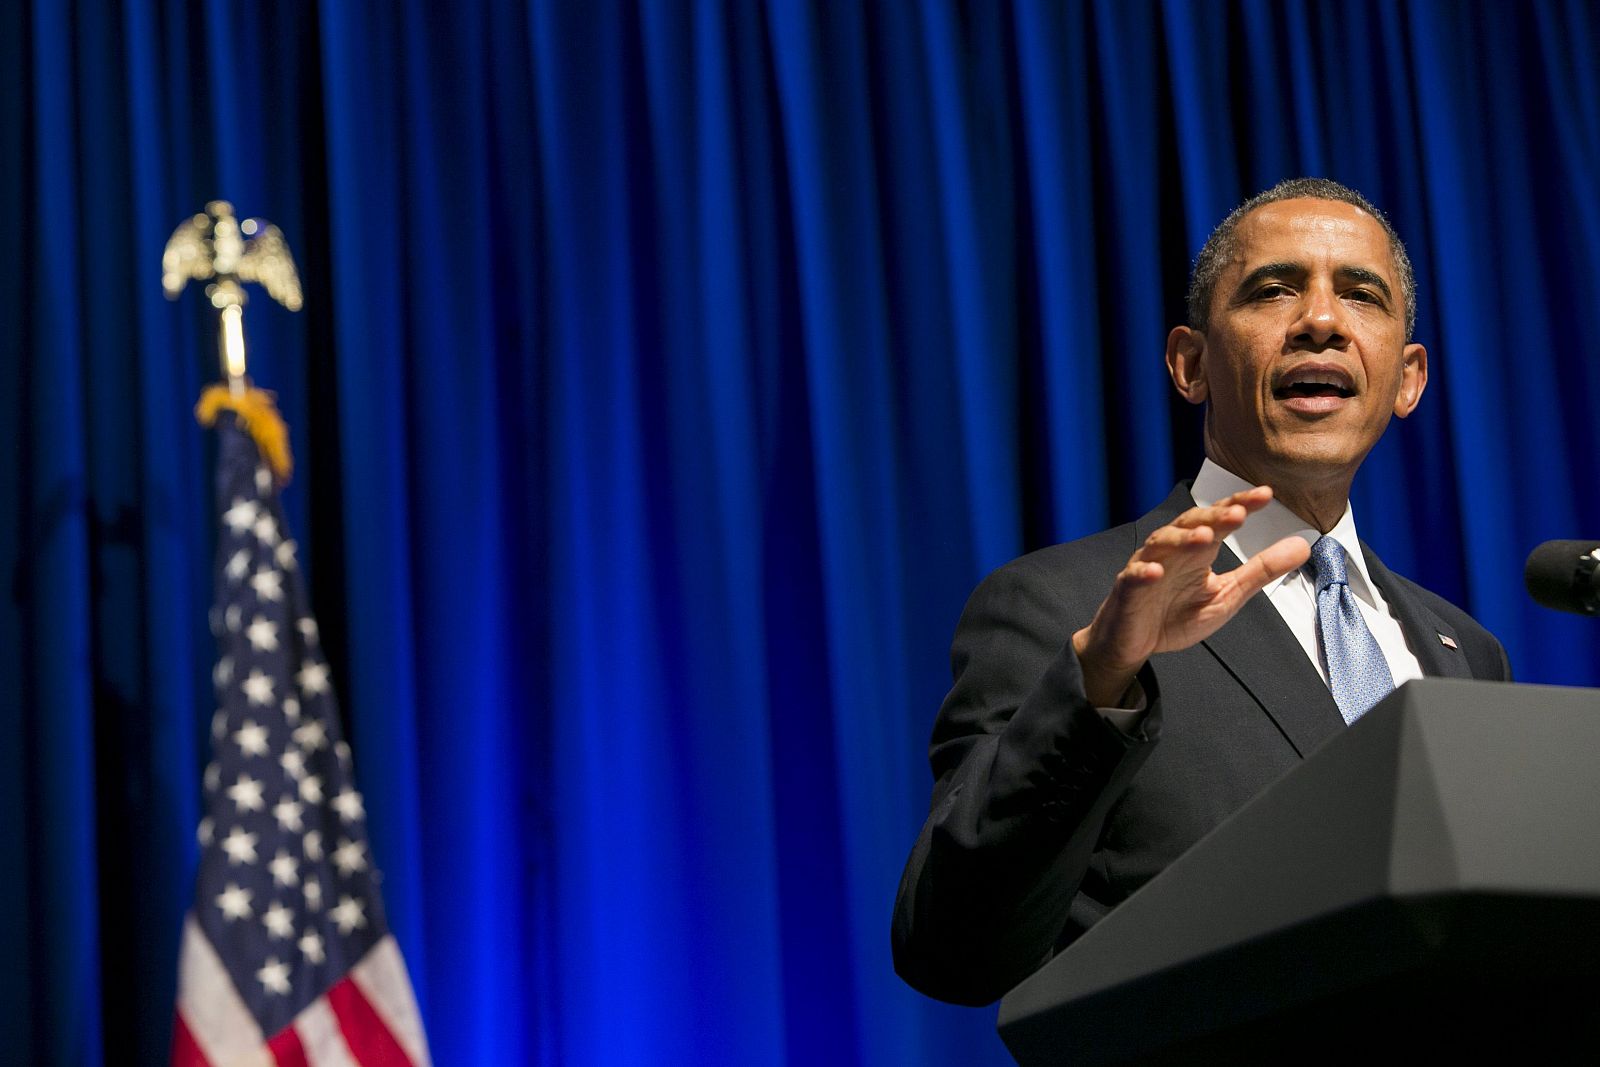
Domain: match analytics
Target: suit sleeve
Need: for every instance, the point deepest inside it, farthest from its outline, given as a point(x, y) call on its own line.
point(1500, 669)
point(1025, 771)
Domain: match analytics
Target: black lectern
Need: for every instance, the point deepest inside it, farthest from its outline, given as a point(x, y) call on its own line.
point(1427, 883)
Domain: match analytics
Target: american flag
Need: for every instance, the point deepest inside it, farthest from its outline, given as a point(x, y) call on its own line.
point(286, 958)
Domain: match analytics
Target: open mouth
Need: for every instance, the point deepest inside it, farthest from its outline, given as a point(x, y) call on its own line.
point(1312, 389)
point(1313, 381)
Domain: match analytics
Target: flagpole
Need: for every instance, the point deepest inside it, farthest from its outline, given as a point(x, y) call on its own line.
point(286, 954)
point(215, 247)
point(229, 299)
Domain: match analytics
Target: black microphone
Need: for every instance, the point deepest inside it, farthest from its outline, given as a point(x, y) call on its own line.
point(1565, 575)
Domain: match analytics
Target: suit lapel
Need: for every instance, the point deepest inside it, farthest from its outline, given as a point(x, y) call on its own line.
point(1425, 631)
point(1259, 650)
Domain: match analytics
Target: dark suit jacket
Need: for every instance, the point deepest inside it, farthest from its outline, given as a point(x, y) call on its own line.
point(1044, 816)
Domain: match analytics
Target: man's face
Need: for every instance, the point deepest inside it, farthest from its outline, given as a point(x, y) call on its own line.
point(1306, 357)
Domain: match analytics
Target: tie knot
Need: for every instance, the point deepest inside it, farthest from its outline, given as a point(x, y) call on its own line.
point(1327, 559)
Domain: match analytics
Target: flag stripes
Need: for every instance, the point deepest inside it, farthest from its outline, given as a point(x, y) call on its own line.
point(346, 1027)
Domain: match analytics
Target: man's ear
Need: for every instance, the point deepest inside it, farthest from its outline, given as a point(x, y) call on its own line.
point(1186, 348)
point(1413, 379)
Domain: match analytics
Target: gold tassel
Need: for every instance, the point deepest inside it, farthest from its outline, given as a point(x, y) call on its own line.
point(258, 417)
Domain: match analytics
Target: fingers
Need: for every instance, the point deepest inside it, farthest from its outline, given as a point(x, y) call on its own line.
point(1229, 512)
point(1195, 530)
point(1283, 556)
point(1274, 561)
point(1217, 514)
point(1142, 572)
point(1201, 526)
point(1169, 539)
point(1255, 498)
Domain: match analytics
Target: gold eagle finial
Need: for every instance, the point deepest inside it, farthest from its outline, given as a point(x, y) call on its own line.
point(214, 247)
point(214, 244)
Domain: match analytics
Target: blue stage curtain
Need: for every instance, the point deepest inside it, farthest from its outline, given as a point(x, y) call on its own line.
point(669, 374)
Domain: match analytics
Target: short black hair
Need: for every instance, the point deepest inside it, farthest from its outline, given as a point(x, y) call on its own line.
point(1219, 246)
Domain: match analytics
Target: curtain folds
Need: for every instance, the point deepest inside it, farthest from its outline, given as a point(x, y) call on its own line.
point(668, 376)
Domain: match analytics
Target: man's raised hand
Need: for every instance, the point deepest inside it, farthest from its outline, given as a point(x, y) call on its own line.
point(1168, 598)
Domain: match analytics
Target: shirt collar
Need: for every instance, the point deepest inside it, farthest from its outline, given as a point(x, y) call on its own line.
point(1275, 522)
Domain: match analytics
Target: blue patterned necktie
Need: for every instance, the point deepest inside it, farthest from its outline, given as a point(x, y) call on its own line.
point(1357, 672)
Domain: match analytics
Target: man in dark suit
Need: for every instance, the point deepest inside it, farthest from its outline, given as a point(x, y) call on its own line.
point(1117, 697)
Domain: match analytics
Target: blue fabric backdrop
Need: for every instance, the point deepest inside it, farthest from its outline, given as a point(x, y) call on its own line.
point(669, 374)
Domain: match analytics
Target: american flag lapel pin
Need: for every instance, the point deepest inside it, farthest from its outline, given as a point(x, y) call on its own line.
point(1447, 641)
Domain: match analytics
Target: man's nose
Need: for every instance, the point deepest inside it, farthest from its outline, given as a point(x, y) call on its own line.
point(1320, 323)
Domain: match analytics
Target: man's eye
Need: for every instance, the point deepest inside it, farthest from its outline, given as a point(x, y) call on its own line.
point(1267, 292)
point(1365, 296)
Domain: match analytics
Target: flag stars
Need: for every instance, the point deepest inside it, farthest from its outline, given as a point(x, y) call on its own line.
point(348, 915)
point(268, 584)
point(246, 794)
point(240, 846)
point(313, 678)
point(258, 687)
point(285, 869)
point(287, 812)
point(234, 902)
point(311, 947)
point(242, 516)
point(266, 529)
point(274, 976)
point(348, 858)
point(291, 838)
point(263, 635)
point(312, 736)
point(279, 922)
point(251, 739)
point(348, 805)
